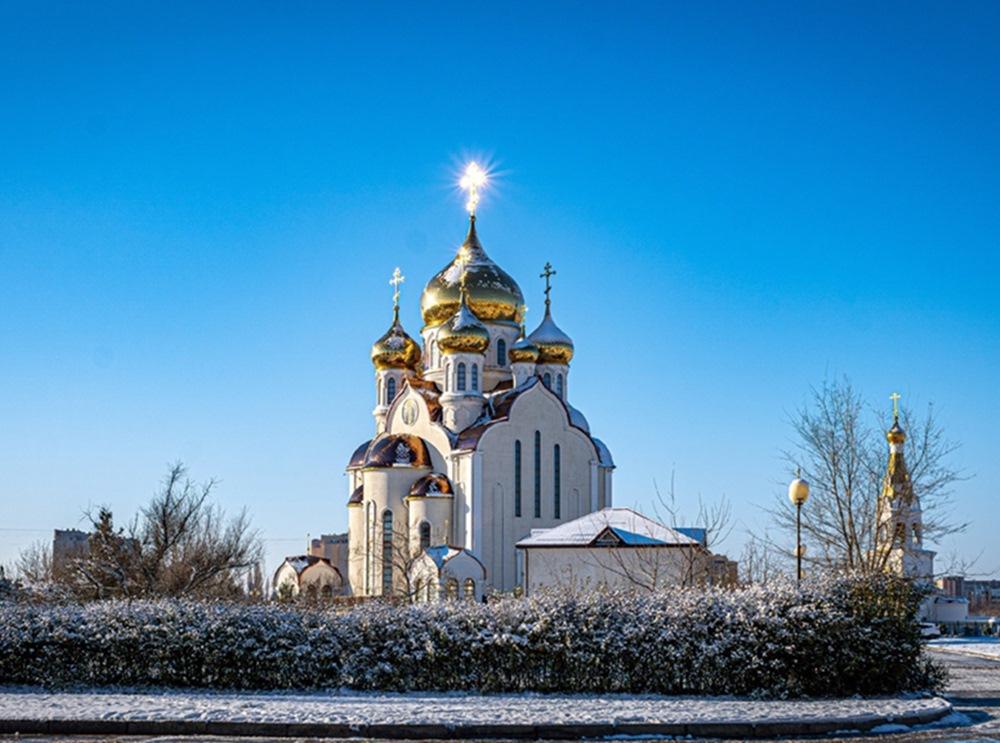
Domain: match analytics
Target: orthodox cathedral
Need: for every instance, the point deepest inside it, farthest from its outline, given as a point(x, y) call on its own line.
point(476, 443)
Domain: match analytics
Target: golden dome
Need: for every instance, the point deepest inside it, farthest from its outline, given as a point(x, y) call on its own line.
point(463, 333)
point(523, 351)
point(554, 346)
point(896, 434)
point(395, 349)
point(493, 295)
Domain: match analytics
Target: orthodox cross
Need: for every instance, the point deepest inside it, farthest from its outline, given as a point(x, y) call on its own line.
point(547, 274)
point(895, 404)
point(395, 281)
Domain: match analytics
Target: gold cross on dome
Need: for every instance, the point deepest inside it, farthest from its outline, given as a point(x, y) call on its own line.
point(547, 274)
point(395, 281)
point(895, 396)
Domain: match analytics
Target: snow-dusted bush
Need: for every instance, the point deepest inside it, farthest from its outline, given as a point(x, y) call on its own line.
point(832, 638)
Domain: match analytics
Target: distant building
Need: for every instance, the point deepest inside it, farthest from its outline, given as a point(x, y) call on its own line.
point(68, 545)
point(618, 549)
point(305, 574)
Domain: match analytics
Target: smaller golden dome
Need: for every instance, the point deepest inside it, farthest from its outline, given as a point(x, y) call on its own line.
point(395, 349)
point(523, 351)
point(463, 333)
point(554, 346)
point(896, 434)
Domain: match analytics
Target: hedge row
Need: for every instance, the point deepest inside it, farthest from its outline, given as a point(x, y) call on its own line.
point(835, 638)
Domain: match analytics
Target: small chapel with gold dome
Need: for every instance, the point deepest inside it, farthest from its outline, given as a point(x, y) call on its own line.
point(476, 442)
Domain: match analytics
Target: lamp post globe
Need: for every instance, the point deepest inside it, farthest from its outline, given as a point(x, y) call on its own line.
point(798, 494)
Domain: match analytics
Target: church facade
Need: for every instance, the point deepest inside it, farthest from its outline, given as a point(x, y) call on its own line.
point(476, 442)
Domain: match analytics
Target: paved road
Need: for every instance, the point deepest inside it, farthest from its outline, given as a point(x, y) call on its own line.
point(974, 690)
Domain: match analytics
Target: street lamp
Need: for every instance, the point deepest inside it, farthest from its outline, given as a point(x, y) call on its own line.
point(798, 493)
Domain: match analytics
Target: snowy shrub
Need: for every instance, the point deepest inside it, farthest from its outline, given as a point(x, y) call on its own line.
point(832, 638)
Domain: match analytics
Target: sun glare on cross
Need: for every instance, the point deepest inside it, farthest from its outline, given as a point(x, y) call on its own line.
point(473, 179)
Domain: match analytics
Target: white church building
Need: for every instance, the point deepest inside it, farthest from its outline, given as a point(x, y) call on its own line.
point(476, 442)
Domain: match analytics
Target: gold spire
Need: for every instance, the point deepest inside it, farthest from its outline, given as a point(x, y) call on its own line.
point(897, 477)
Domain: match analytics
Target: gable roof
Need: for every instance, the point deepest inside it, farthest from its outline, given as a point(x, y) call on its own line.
point(609, 526)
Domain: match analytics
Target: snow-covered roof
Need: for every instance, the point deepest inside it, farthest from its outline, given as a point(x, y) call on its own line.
point(628, 527)
point(441, 554)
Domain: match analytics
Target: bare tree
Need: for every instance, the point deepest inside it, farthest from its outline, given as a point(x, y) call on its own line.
point(178, 545)
point(840, 449)
point(34, 564)
point(759, 561)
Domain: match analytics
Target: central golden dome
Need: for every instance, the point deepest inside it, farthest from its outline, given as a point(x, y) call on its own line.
point(493, 295)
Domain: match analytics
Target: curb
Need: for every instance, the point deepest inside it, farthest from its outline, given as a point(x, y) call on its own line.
point(764, 729)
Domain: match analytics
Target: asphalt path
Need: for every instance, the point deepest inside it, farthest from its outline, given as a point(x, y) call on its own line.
point(973, 689)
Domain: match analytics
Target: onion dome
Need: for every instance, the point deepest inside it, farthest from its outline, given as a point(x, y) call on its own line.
point(357, 496)
point(433, 485)
point(358, 457)
point(398, 450)
point(523, 351)
point(395, 349)
point(554, 346)
point(463, 333)
point(492, 294)
point(896, 434)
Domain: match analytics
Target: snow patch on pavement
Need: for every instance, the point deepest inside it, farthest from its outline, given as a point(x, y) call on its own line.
point(354, 708)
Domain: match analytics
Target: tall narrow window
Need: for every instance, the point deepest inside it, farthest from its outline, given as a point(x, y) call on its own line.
point(559, 386)
point(517, 478)
point(387, 553)
point(556, 482)
point(469, 589)
point(390, 390)
point(460, 383)
point(475, 377)
point(425, 535)
point(501, 352)
point(538, 475)
point(547, 380)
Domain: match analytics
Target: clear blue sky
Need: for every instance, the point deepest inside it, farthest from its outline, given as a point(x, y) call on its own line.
point(200, 206)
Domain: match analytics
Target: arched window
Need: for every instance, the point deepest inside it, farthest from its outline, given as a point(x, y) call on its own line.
point(475, 377)
point(387, 553)
point(326, 591)
point(557, 482)
point(425, 535)
point(501, 352)
point(559, 386)
point(517, 478)
point(451, 589)
point(460, 383)
point(538, 475)
point(431, 587)
point(469, 590)
point(547, 380)
point(418, 594)
point(390, 390)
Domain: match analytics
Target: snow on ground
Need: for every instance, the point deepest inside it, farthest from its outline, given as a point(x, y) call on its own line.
point(353, 708)
point(980, 647)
